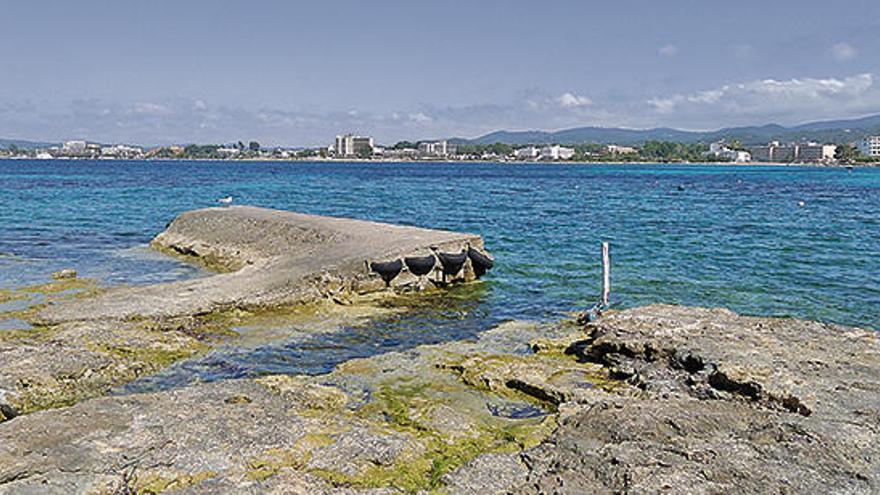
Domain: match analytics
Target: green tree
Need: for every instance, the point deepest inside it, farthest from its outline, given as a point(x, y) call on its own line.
point(736, 144)
point(254, 146)
point(500, 149)
point(846, 153)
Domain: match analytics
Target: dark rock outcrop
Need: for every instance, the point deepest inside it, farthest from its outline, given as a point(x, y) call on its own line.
point(728, 404)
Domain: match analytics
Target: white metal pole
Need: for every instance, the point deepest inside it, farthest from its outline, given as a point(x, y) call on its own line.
point(606, 274)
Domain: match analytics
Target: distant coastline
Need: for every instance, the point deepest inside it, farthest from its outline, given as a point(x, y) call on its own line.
point(451, 161)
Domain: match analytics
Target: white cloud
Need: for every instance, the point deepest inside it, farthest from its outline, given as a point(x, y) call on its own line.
point(843, 51)
point(151, 109)
point(181, 120)
point(769, 94)
point(420, 117)
point(571, 100)
point(668, 50)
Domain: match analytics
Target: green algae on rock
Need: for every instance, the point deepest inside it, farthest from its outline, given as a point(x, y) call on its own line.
point(395, 421)
point(631, 402)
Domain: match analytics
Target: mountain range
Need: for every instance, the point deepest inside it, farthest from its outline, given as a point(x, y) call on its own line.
point(830, 131)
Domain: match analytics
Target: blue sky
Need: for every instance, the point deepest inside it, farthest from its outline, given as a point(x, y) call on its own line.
point(297, 73)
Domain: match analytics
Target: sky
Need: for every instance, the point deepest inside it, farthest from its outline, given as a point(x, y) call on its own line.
point(296, 73)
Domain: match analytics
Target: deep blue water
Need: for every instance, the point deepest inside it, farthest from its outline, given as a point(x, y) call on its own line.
point(733, 237)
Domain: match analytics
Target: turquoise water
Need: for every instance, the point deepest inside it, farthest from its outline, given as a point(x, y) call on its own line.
point(733, 237)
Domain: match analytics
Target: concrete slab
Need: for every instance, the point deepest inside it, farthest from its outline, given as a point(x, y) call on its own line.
point(270, 257)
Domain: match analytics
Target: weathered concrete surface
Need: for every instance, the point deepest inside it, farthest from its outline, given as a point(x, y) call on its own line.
point(273, 258)
point(86, 343)
point(654, 399)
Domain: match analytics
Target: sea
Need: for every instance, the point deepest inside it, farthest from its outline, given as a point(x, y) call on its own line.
point(761, 240)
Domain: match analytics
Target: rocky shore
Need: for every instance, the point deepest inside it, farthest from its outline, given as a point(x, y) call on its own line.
point(653, 399)
point(657, 399)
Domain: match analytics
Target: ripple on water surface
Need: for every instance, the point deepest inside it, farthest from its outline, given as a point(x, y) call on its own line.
point(734, 237)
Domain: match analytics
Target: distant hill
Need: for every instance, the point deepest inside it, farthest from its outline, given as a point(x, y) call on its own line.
point(5, 143)
point(832, 131)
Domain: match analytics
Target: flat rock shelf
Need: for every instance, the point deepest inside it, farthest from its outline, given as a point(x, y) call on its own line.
point(270, 258)
point(654, 399)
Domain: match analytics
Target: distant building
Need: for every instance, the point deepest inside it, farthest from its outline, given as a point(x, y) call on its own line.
point(740, 156)
point(773, 152)
point(556, 152)
point(401, 154)
point(74, 147)
point(815, 153)
point(720, 150)
point(527, 153)
point(870, 146)
point(228, 152)
point(620, 150)
point(716, 148)
point(350, 145)
point(436, 149)
point(734, 155)
point(795, 152)
point(121, 151)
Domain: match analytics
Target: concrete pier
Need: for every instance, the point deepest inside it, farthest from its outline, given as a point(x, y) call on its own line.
point(266, 258)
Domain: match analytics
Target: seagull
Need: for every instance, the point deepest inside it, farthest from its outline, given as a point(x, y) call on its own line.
point(802, 203)
point(225, 201)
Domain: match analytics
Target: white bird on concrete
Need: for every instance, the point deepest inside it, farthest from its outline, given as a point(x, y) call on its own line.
point(225, 201)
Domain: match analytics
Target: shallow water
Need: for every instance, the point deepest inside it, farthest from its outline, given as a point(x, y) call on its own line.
point(733, 237)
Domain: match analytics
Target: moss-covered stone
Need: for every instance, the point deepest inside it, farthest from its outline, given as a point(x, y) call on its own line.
point(273, 460)
point(551, 378)
point(41, 296)
point(155, 484)
point(405, 407)
point(83, 287)
point(153, 357)
point(306, 394)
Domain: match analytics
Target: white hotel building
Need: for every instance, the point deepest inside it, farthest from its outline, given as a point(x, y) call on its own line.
point(870, 146)
point(350, 145)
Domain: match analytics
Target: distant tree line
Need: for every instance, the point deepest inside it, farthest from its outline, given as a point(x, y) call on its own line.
point(660, 151)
